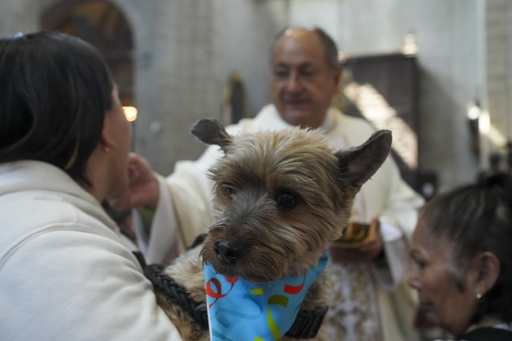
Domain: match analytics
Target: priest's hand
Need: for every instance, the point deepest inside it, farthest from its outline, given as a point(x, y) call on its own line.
point(364, 253)
point(142, 190)
point(370, 249)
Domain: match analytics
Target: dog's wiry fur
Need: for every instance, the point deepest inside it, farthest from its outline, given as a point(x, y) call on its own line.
point(280, 199)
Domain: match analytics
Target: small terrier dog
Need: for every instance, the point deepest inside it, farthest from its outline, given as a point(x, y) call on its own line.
point(280, 199)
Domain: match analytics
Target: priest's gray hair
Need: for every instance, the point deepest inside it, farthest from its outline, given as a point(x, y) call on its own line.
point(330, 48)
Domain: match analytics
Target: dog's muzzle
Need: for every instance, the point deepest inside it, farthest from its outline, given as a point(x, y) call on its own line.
point(226, 252)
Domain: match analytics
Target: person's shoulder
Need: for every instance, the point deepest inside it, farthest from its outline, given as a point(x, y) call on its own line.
point(251, 124)
point(348, 122)
point(266, 118)
point(355, 130)
point(32, 216)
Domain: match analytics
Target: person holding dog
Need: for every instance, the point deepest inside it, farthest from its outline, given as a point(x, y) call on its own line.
point(370, 299)
point(461, 259)
point(66, 271)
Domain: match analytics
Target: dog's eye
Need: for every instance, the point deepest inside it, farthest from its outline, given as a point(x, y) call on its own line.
point(287, 200)
point(227, 189)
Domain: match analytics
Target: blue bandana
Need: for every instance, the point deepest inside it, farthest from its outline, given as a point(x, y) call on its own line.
point(255, 311)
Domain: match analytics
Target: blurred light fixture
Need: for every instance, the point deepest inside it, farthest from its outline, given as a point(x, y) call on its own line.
point(473, 110)
point(410, 48)
point(130, 113)
point(341, 56)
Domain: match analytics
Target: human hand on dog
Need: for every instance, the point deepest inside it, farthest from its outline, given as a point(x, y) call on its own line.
point(142, 190)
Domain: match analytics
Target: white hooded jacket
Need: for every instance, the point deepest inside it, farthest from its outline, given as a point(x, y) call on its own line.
point(66, 273)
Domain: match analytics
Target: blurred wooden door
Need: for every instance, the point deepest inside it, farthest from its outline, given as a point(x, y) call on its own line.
point(383, 90)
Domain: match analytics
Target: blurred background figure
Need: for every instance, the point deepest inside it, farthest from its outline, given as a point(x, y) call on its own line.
point(398, 67)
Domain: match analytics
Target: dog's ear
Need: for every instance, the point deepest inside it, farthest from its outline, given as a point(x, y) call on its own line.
point(211, 131)
point(359, 164)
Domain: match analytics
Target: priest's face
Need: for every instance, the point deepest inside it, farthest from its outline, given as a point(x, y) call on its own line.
point(303, 84)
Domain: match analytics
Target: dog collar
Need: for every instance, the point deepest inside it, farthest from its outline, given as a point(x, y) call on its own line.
point(261, 311)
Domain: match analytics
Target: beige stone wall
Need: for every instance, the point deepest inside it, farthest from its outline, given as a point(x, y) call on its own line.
point(18, 16)
point(498, 76)
point(176, 69)
point(447, 34)
point(177, 81)
point(185, 50)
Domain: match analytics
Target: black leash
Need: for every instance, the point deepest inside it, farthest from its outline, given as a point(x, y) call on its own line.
point(174, 292)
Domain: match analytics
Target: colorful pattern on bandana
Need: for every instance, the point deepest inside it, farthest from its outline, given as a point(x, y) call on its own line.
point(242, 310)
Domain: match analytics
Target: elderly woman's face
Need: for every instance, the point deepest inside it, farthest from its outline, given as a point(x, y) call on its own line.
point(443, 303)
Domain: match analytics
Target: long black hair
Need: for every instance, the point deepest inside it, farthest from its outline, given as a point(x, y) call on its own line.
point(54, 91)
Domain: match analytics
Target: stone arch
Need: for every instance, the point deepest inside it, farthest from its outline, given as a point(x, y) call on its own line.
point(104, 25)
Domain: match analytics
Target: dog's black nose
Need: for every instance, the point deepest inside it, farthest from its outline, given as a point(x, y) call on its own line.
point(225, 252)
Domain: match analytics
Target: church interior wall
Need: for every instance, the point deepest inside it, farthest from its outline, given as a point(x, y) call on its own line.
point(185, 51)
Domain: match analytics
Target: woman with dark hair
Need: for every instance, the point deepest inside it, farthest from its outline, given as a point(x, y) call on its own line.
point(66, 273)
point(462, 260)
